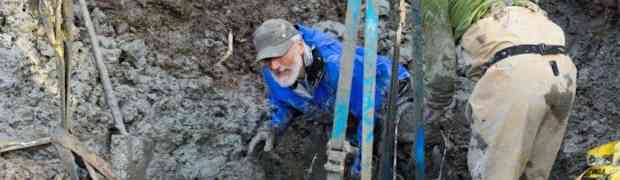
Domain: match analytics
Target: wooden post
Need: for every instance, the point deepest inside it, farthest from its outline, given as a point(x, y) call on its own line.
point(103, 71)
point(68, 54)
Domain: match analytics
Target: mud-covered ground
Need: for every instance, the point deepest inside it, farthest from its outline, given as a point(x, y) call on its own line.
point(592, 40)
point(200, 116)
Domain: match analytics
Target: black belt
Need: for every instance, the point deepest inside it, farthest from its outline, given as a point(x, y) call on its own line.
point(541, 49)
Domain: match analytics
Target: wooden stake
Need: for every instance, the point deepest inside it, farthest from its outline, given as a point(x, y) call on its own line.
point(103, 71)
point(68, 54)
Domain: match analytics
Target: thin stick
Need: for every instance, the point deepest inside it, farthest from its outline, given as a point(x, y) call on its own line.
point(103, 72)
point(443, 156)
point(399, 31)
point(65, 155)
point(229, 52)
point(6, 146)
point(53, 29)
point(388, 146)
point(53, 24)
point(68, 27)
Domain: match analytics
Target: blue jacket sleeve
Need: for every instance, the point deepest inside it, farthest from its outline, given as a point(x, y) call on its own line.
point(281, 114)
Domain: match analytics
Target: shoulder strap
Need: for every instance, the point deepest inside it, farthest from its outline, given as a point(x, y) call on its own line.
point(315, 71)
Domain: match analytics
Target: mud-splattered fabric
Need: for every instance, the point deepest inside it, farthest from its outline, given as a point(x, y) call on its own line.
point(444, 22)
point(520, 106)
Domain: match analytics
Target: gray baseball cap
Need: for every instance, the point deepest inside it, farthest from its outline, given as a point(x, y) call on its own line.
point(273, 38)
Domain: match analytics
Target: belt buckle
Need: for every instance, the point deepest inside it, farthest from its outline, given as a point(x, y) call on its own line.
point(541, 48)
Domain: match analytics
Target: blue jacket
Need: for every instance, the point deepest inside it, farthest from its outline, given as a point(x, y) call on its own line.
point(285, 101)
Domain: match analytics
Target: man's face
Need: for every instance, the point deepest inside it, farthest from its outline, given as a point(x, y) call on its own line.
point(285, 69)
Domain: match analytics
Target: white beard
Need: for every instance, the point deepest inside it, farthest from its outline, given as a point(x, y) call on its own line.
point(289, 79)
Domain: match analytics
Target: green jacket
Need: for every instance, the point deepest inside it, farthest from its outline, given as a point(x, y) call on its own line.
point(461, 13)
point(444, 22)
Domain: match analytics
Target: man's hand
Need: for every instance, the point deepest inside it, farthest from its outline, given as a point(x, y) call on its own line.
point(267, 135)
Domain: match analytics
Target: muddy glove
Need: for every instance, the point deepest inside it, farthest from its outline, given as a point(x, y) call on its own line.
point(266, 134)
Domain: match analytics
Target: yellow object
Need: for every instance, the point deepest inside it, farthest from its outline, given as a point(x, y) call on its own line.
point(604, 161)
point(607, 154)
point(604, 172)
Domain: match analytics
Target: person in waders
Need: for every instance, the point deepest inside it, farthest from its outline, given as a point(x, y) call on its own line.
point(525, 82)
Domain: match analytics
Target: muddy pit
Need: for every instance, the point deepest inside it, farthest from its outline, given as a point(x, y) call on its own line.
point(161, 55)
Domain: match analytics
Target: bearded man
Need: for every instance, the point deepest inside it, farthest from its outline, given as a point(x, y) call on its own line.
point(301, 67)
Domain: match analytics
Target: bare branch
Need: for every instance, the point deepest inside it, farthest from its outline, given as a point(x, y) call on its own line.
point(229, 52)
point(12, 145)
